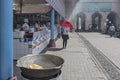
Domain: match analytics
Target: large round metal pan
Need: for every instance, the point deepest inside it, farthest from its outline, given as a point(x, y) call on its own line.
point(51, 65)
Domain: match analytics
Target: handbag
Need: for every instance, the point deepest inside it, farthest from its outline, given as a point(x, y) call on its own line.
point(67, 36)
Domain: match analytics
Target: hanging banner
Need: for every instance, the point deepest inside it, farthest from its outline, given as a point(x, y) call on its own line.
point(58, 5)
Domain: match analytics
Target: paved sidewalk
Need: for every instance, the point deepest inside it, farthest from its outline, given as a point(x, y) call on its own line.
point(79, 65)
point(110, 47)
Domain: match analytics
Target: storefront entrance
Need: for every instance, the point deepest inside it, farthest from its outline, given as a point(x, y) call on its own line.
point(96, 22)
point(81, 22)
point(111, 18)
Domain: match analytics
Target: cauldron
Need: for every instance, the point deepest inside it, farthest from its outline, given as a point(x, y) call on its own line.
point(52, 65)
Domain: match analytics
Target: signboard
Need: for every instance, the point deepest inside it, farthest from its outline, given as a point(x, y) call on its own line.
point(105, 7)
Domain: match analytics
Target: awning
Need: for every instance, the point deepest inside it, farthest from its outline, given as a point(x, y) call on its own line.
point(32, 6)
point(36, 9)
point(58, 5)
point(40, 6)
point(30, 1)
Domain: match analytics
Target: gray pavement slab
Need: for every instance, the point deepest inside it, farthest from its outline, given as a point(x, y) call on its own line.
point(79, 65)
point(109, 46)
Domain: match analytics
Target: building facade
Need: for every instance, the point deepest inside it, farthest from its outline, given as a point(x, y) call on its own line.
point(93, 14)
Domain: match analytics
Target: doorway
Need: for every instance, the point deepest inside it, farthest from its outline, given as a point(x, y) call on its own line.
point(111, 18)
point(96, 21)
point(81, 22)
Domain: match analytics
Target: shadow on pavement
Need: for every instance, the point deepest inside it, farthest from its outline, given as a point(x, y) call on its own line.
point(107, 37)
point(51, 49)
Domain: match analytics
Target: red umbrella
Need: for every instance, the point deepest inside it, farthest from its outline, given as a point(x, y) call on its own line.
point(64, 22)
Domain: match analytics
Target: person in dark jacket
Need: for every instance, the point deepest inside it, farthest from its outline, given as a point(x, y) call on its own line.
point(112, 30)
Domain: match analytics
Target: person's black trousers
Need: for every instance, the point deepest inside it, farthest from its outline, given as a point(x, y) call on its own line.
point(64, 43)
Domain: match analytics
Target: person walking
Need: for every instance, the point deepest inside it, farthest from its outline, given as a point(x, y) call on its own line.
point(65, 35)
point(111, 30)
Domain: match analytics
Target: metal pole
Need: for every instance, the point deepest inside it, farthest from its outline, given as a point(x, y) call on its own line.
point(52, 23)
point(52, 40)
point(6, 39)
point(61, 18)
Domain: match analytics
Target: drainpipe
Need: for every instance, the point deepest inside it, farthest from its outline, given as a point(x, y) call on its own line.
point(6, 39)
point(21, 4)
